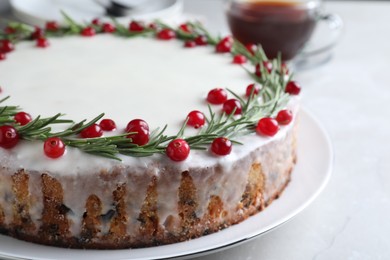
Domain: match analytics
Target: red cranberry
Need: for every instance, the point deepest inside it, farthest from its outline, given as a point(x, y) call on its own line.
point(22, 118)
point(137, 123)
point(140, 136)
point(267, 126)
point(52, 26)
point(93, 131)
point(228, 38)
point(189, 44)
point(251, 48)
point(107, 125)
point(284, 117)
point(232, 105)
point(152, 26)
point(196, 119)
point(9, 137)
point(96, 22)
point(38, 33)
point(250, 88)
point(266, 64)
point(9, 30)
point(285, 69)
point(136, 27)
point(239, 59)
point(185, 28)
point(201, 40)
point(54, 147)
point(224, 46)
point(42, 42)
point(2, 56)
point(178, 150)
point(293, 88)
point(221, 146)
point(88, 32)
point(217, 96)
point(141, 130)
point(6, 46)
point(166, 34)
point(108, 28)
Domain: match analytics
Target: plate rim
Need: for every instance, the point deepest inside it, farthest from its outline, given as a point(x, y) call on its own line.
point(215, 248)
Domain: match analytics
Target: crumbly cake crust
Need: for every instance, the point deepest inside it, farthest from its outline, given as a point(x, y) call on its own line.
point(124, 208)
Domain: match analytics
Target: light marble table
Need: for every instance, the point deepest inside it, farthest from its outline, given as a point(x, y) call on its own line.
point(350, 95)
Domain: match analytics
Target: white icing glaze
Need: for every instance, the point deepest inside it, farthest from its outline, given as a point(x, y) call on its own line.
point(125, 78)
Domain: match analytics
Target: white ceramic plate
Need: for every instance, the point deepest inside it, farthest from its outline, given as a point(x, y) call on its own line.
point(312, 172)
point(37, 12)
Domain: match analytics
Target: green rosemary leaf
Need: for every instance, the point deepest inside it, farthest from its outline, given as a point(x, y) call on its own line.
point(81, 126)
point(120, 29)
point(73, 25)
point(182, 129)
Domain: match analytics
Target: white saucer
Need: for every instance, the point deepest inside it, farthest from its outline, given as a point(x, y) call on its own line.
point(37, 12)
point(319, 49)
point(311, 174)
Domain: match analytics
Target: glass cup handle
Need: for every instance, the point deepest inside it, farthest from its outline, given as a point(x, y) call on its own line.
point(335, 25)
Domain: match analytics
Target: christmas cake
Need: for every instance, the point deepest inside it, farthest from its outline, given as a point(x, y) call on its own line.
point(190, 141)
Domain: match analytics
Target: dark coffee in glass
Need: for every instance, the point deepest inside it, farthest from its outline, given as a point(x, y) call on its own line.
point(277, 25)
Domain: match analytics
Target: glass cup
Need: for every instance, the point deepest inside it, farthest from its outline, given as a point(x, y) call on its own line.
point(279, 26)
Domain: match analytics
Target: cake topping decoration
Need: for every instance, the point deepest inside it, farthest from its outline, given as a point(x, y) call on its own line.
point(42, 42)
point(96, 22)
point(137, 123)
point(166, 34)
point(217, 96)
point(252, 89)
point(107, 125)
point(186, 28)
point(201, 40)
point(52, 26)
point(239, 117)
point(54, 147)
point(178, 150)
point(260, 67)
point(239, 59)
point(22, 118)
point(284, 117)
point(9, 30)
point(251, 48)
point(196, 119)
point(267, 126)
point(221, 146)
point(136, 26)
point(9, 137)
point(92, 131)
point(88, 32)
point(37, 34)
point(6, 46)
point(139, 132)
point(190, 44)
point(232, 106)
point(108, 28)
point(293, 88)
point(224, 46)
